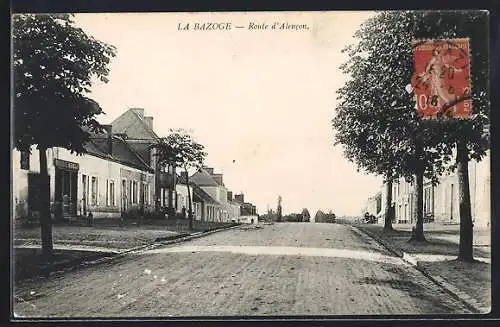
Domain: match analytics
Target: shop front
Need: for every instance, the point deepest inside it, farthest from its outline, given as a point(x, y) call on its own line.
point(65, 191)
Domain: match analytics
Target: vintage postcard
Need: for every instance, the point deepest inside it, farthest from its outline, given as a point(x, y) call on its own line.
point(256, 164)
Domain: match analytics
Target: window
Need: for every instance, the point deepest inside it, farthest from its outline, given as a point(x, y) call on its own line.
point(135, 194)
point(110, 193)
point(124, 192)
point(146, 194)
point(428, 200)
point(94, 191)
point(130, 193)
point(25, 160)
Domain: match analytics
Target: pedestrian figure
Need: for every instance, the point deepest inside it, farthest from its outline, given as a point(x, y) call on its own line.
point(90, 219)
point(184, 212)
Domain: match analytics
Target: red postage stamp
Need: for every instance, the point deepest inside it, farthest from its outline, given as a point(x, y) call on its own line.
point(441, 78)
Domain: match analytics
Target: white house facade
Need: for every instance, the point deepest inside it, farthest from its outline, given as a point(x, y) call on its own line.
point(441, 202)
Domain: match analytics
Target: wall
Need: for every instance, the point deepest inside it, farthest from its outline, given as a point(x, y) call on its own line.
point(19, 182)
point(219, 193)
point(248, 219)
point(446, 196)
point(480, 193)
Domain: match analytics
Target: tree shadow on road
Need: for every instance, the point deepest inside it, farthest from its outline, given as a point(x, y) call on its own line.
point(433, 300)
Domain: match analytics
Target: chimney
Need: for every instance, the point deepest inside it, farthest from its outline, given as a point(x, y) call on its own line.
point(239, 198)
point(229, 196)
point(218, 178)
point(109, 132)
point(149, 121)
point(139, 111)
point(209, 170)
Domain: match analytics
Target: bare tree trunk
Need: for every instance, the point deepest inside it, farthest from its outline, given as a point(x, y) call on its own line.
point(418, 231)
point(45, 217)
point(190, 203)
point(465, 248)
point(388, 207)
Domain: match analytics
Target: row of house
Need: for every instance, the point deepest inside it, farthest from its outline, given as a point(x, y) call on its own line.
point(119, 176)
point(441, 202)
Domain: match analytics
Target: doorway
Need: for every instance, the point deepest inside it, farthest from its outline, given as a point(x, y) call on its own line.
point(66, 191)
point(85, 192)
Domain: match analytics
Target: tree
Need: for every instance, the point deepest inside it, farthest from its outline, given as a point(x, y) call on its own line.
point(330, 217)
point(179, 149)
point(469, 138)
point(376, 121)
point(55, 64)
point(306, 216)
point(278, 209)
point(398, 145)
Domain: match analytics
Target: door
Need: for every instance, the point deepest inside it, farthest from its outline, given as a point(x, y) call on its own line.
point(85, 187)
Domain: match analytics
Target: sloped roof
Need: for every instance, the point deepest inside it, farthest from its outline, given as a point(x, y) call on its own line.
point(121, 152)
point(202, 178)
point(235, 203)
point(132, 124)
point(200, 195)
point(142, 149)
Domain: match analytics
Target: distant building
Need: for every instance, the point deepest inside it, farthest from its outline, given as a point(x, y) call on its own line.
point(374, 204)
point(248, 212)
point(206, 208)
point(213, 186)
point(441, 202)
point(234, 208)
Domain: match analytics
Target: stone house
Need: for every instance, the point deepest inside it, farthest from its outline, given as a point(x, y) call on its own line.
point(109, 181)
point(234, 208)
point(206, 208)
point(248, 212)
point(441, 203)
point(137, 130)
point(213, 185)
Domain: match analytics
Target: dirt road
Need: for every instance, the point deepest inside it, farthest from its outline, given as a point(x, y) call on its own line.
point(281, 269)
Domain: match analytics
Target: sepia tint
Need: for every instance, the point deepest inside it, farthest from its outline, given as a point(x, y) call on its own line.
point(250, 164)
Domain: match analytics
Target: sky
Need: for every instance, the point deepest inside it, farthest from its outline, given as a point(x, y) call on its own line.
point(260, 100)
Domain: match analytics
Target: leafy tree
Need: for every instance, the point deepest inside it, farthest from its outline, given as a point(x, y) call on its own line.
point(376, 122)
point(179, 149)
point(55, 64)
point(470, 138)
point(330, 217)
point(292, 217)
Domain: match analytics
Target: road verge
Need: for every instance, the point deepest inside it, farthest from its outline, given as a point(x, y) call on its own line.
point(108, 257)
point(473, 304)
